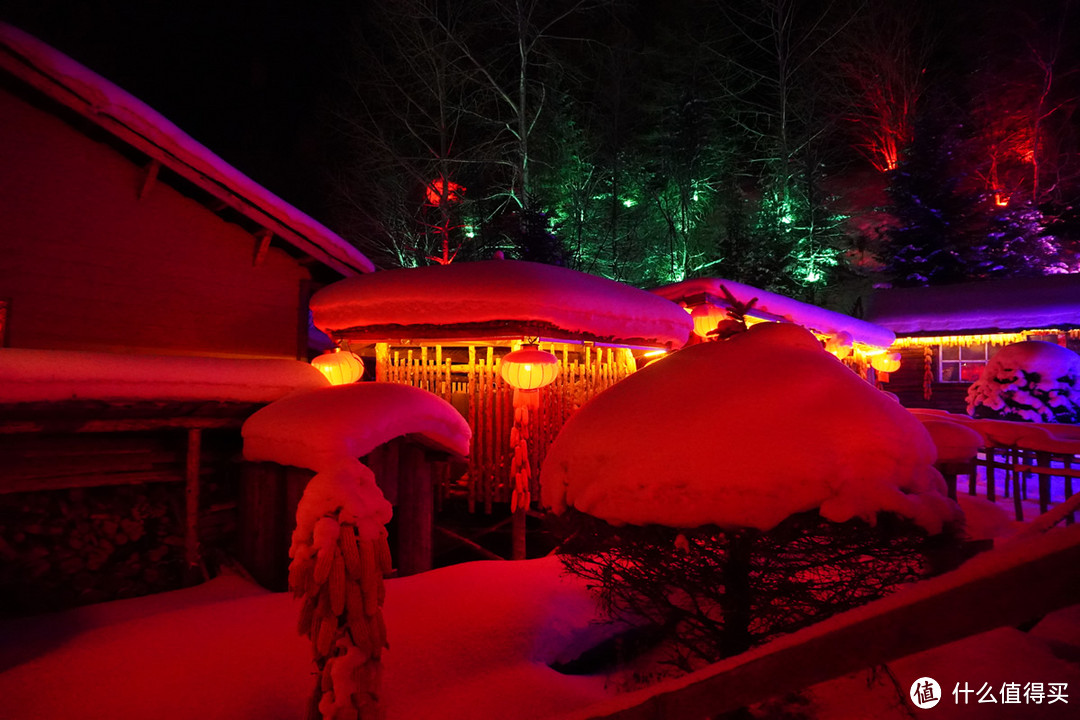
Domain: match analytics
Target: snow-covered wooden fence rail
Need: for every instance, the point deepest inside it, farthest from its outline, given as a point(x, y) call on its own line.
point(1012, 454)
point(470, 379)
point(1027, 579)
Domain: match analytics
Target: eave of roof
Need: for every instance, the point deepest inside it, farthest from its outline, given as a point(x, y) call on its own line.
point(122, 115)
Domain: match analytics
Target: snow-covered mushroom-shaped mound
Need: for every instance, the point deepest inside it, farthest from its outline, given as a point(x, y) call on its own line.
point(318, 429)
point(1031, 381)
point(475, 299)
point(745, 433)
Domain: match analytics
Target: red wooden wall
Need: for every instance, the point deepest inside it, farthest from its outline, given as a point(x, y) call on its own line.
point(86, 265)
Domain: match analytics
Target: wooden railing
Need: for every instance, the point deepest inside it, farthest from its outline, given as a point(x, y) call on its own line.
point(1015, 453)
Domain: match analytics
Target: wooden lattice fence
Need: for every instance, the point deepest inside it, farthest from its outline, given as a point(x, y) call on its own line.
point(469, 378)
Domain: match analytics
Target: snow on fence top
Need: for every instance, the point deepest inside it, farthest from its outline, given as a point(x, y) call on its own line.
point(134, 122)
point(321, 428)
point(744, 433)
point(770, 306)
point(498, 298)
point(56, 375)
point(992, 306)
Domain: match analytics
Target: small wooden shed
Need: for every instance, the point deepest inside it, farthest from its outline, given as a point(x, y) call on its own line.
point(446, 329)
point(946, 334)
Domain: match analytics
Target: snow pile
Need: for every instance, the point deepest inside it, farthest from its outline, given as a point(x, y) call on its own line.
point(745, 433)
point(320, 428)
point(105, 103)
point(771, 306)
point(53, 375)
point(954, 441)
point(1031, 381)
point(539, 298)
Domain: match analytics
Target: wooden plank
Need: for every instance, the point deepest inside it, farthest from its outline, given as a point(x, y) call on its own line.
point(119, 425)
point(1026, 580)
point(86, 481)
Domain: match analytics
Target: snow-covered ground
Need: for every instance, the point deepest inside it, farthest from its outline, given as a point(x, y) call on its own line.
point(472, 641)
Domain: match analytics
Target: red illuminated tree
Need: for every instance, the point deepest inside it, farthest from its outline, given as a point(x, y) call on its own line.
point(880, 61)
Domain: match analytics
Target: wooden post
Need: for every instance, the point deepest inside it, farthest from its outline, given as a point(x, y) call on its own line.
point(192, 559)
point(382, 362)
point(1014, 459)
point(1066, 463)
point(991, 458)
point(415, 511)
point(1043, 459)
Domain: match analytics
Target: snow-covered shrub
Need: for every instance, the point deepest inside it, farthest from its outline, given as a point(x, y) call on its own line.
point(1030, 381)
point(712, 592)
point(743, 489)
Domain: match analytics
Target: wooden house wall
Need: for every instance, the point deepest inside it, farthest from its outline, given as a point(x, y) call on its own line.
point(85, 264)
point(907, 383)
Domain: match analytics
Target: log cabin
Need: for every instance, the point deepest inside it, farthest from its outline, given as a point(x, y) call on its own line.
point(138, 270)
point(946, 334)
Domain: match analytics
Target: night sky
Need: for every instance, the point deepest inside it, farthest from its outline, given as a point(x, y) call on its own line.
point(251, 81)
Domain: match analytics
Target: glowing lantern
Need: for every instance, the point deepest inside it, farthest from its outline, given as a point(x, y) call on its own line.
point(886, 362)
point(340, 368)
point(841, 344)
point(529, 368)
point(441, 189)
point(706, 318)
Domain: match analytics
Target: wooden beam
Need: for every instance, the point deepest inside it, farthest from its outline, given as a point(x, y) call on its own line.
point(415, 511)
point(262, 246)
point(149, 179)
point(1025, 580)
point(9, 427)
point(192, 554)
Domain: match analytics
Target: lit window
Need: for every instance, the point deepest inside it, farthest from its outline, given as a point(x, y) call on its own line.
point(962, 363)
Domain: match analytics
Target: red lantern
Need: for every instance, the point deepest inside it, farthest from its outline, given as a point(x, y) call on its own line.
point(886, 362)
point(530, 368)
point(441, 189)
point(340, 368)
point(707, 317)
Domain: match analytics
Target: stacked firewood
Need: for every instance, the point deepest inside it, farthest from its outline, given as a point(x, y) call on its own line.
point(71, 547)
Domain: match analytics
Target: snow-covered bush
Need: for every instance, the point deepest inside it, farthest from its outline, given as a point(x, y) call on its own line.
point(743, 489)
point(1030, 381)
point(711, 592)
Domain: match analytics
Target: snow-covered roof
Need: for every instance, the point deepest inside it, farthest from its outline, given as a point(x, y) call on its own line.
point(744, 433)
point(118, 112)
point(57, 375)
point(321, 428)
point(991, 306)
point(498, 298)
point(770, 306)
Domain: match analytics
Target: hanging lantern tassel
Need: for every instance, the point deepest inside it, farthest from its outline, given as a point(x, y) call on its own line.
point(520, 468)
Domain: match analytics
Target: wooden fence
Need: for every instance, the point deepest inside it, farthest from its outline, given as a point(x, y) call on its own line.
point(469, 378)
